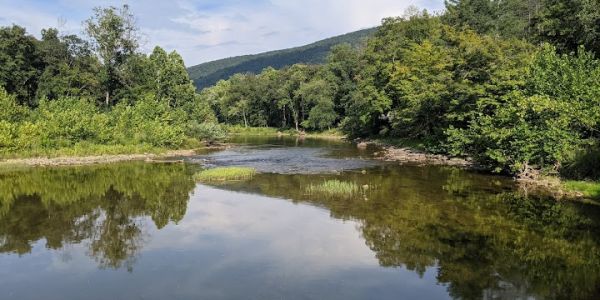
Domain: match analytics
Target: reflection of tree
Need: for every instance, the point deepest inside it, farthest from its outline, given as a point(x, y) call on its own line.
point(103, 205)
point(484, 240)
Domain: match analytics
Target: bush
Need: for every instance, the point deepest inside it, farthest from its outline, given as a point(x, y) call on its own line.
point(584, 166)
point(148, 121)
point(11, 111)
point(209, 132)
point(523, 131)
point(71, 122)
point(68, 120)
point(7, 134)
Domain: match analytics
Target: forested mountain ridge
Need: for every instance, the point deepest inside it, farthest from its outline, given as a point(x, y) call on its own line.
point(207, 74)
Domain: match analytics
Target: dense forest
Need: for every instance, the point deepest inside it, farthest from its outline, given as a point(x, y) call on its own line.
point(208, 74)
point(512, 84)
point(95, 93)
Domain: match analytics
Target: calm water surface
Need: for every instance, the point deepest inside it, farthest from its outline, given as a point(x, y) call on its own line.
point(147, 231)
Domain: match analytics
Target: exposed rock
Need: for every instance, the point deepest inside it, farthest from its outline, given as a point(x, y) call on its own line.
point(411, 156)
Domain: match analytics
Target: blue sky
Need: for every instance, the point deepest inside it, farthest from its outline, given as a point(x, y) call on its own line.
point(204, 30)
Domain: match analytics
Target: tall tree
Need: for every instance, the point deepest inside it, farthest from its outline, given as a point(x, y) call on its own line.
point(20, 63)
point(113, 32)
point(70, 67)
point(506, 18)
point(570, 23)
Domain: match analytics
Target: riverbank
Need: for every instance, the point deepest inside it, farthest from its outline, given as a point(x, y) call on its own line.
point(65, 158)
point(94, 159)
point(412, 152)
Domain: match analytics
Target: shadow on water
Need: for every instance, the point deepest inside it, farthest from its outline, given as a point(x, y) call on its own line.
point(478, 237)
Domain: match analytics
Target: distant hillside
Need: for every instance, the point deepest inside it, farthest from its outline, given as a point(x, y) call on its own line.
point(209, 73)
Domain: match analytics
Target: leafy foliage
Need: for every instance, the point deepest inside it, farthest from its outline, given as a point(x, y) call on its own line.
point(466, 83)
point(64, 92)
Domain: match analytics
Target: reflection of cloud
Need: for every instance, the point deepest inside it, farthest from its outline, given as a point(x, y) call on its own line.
point(264, 244)
point(229, 245)
point(237, 218)
point(185, 24)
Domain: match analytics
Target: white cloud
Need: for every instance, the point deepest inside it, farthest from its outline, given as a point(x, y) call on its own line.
point(204, 30)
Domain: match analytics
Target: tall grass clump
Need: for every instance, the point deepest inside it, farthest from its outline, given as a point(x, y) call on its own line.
point(589, 189)
point(225, 174)
point(334, 188)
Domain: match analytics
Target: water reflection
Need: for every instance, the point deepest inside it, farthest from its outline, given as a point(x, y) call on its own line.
point(416, 232)
point(101, 206)
point(485, 240)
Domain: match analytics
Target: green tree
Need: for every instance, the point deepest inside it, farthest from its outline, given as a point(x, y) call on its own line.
point(567, 24)
point(318, 94)
point(20, 64)
point(506, 18)
point(70, 67)
point(113, 33)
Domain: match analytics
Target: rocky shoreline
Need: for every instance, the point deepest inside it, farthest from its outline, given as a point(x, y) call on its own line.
point(410, 156)
point(529, 183)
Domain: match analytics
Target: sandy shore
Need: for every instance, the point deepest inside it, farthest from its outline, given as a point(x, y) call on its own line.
point(94, 159)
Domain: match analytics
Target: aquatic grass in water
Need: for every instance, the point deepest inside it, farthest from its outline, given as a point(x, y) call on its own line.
point(225, 174)
point(334, 188)
point(589, 189)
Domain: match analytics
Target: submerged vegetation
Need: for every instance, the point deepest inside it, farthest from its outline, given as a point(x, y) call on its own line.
point(334, 188)
point(225, 174)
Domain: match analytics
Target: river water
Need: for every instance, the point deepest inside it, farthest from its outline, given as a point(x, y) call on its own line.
point(147, 231)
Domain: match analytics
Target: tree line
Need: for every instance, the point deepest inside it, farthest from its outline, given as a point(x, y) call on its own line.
point(513, 84)
point(63, 91)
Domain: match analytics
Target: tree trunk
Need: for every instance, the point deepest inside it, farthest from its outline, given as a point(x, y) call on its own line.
point(284, 118)
point(245, 121)
point(107, 98)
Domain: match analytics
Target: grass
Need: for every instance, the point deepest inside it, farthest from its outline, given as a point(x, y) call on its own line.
point(225, 174)
point(589, 189)
point(334, 188)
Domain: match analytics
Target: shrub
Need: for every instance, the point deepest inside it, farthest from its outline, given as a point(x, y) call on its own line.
point(7, 134)
point(209, 132)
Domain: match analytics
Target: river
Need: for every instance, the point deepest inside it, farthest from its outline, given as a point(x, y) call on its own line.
point(141, 230)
